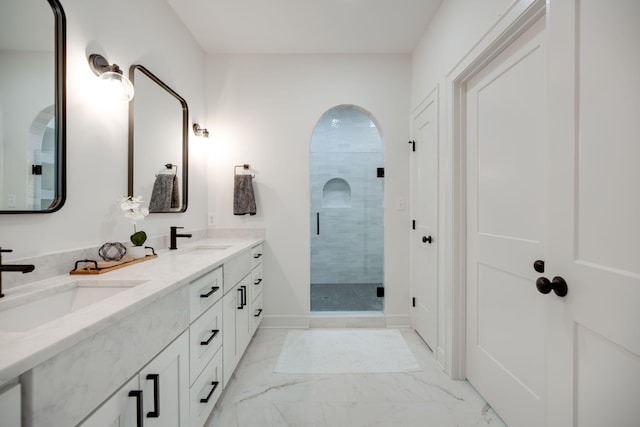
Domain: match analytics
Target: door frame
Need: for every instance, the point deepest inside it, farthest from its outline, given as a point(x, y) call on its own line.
point(517, 19)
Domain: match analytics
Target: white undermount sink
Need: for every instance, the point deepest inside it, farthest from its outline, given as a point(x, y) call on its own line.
point(31, 310)
point(203, 249)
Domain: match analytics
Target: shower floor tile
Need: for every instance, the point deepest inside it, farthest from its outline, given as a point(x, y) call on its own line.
point(345, 297)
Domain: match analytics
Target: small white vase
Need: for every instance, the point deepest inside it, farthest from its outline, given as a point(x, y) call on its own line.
point(137, 252)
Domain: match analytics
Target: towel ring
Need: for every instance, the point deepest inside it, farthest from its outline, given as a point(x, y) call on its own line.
point(244, 167)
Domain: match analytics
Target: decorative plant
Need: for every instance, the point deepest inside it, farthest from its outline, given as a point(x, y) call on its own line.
point(131, 206)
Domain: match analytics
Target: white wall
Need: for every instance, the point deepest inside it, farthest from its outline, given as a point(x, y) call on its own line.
point(262, 111)
point(145, 32)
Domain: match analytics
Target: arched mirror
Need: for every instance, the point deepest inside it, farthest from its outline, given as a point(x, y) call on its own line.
point(158, 143)
point(32, 106)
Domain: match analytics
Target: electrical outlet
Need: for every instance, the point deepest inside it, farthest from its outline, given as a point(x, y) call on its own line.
point(211, 219)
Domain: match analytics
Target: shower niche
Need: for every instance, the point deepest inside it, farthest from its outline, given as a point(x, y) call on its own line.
point(336, 193)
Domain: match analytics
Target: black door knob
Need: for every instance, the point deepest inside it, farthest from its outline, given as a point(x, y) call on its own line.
point(538, 265)
point(560, 286)
point(544, 285)
point(426, 239)
point(557, 285)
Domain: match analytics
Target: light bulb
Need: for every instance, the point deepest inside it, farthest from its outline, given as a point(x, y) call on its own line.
point(117, 86)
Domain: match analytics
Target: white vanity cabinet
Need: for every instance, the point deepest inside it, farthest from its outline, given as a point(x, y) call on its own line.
point(205, 343)
point(241, 302)
point(120, 410)
point(256, 289)
point(156, 397)
point(236, 325)
point(10, 406)
point(163, 363)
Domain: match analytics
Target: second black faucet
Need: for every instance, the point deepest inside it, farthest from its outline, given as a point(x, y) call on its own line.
point(174, 236)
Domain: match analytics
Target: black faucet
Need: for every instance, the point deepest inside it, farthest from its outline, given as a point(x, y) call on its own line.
point(24, 268)
point(175, 235)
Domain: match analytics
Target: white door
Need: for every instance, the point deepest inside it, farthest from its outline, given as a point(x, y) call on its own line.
point(594, 353)
point(424, 241)
point(507, 149)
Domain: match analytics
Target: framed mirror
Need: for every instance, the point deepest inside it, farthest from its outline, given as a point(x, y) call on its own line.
point(32, 106)
point(158, 143)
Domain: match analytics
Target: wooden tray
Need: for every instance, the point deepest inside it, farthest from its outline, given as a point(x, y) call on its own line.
point(90, 268)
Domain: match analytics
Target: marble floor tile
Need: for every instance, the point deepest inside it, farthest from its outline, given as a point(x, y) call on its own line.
point(257, 396)
point(361, 350)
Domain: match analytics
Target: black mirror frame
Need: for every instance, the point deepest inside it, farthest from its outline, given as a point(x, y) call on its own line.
point(60, 97)
point(185, 136)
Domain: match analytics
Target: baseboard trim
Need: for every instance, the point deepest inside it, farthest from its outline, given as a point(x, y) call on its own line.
point(283, 322)
point(398, 321)
point(338, 320)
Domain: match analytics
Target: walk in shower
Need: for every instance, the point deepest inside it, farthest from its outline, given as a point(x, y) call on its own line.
point(347, 194)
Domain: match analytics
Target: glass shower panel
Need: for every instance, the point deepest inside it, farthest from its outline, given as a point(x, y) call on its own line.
point(346, 212)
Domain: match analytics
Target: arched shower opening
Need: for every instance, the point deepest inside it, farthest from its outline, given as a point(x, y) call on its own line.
point(347, 213)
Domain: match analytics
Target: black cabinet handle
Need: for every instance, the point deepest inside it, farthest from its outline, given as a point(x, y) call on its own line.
point(256, 256)
point(257, 282)
point(244, 295)
point(241, 305)
point(215, 386)
point(156, 396)
point(138, 395)
point(318, 223)
point(214, 332)
point(258, 313)
point(426, 239)
point(211, 292)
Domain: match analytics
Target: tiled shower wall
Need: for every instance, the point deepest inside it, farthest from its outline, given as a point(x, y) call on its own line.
point(347, 146)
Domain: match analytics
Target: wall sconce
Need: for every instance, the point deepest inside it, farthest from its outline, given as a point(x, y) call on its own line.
point(118, 84)
point(198, 131)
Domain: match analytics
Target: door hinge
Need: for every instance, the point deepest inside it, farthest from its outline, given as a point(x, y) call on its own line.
point(380, 291)
point(36, 169)
point(413, 224)
point(413, 145)
point(413, 302)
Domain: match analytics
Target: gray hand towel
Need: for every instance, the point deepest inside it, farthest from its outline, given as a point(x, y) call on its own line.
point(165, 194)
point(244, 201)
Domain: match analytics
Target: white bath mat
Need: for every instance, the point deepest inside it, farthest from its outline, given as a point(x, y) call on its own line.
point(337, 351)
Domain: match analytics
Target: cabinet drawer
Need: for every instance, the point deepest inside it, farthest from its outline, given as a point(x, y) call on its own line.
point(256, 281)
point(256, 255)
point(206, 391)
point(204, 292)
point(205, 338)
point(256, 313)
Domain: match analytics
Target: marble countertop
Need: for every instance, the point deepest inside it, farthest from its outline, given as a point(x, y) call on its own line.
point(21, 351)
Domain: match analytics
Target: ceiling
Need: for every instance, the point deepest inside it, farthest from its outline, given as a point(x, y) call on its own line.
point(306, 26)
